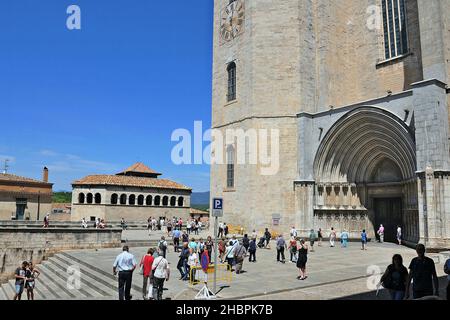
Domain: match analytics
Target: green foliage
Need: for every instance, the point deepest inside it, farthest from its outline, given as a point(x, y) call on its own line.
point(62, 197)
point(204, 207)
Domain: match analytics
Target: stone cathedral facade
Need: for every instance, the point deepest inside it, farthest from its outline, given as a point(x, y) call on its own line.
point(357, 90)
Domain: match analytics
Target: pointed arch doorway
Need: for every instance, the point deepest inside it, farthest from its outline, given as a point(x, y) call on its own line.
point(365, 175)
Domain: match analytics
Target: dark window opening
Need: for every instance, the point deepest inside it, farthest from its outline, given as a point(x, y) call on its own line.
point(81, 198)
point(165, 201)
point(132, 200)
point(231, 69)
point(148, 201)
point(89, 198)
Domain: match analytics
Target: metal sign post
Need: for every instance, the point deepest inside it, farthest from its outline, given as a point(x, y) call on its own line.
point(216, 213)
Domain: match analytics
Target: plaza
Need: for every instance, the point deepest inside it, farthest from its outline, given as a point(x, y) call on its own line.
point(333, 273)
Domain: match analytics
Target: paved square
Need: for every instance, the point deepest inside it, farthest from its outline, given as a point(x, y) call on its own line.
point(333, 272)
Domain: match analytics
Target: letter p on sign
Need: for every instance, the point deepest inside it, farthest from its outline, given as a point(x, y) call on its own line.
point(217, 207)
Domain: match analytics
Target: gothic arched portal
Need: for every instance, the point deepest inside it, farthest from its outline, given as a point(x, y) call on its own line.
point(365, 167)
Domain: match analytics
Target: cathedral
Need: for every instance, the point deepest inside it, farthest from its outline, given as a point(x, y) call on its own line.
point(358, 93)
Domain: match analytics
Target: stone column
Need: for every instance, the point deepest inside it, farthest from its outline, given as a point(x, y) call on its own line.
point(434, 212)
point(304, 206)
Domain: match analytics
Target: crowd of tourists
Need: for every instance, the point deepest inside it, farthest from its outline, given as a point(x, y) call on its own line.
point(169, 225)
point(196, 254)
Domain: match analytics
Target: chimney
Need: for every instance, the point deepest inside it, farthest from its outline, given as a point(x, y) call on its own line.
point(45, 174)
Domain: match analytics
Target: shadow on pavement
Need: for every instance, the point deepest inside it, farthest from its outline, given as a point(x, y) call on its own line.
point(383, 294)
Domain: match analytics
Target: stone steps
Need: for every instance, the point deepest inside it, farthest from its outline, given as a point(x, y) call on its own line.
point(101, 275)
point(3, 295)
point(52, 283)
point(9, 289)
point(101, 285)
point(56, 286)
point(83, 291)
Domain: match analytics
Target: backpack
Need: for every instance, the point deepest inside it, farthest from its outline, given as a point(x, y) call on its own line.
point(162, 246)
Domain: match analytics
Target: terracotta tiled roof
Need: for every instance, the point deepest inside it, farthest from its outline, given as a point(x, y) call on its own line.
point(130, 181)
point(139, 167)
point(13, 178)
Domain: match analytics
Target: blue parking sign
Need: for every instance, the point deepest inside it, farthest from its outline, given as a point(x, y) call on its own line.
point(217, 203)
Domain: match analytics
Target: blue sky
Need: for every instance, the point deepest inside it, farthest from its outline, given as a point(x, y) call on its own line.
point(98, 99)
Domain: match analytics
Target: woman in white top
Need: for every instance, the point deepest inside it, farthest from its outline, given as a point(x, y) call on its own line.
point(332, 237)
point(229, 255)
point(399, 235)
point(192, 263)
point(161, 273)
point(188, 227)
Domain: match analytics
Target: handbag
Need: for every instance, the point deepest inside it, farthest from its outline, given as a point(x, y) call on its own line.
point(386, 281)
point(153, 271)
point(141, 267)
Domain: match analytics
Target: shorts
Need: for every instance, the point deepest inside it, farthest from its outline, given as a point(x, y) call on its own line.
point(19, 288)
point(311, 243)
point(30, 285)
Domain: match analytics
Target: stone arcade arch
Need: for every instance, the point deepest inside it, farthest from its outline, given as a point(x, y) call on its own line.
point(365, 175)
point(81, 198)
point(165, 201)
point(180, 201)
point(140, 200)
point(98, 198)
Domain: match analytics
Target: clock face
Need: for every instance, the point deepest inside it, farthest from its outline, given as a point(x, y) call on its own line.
point(232, 20)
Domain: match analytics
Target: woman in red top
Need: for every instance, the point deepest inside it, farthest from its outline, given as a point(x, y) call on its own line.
point(146, 270)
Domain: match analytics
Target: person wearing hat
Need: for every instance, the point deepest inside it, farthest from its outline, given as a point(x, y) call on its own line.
point(124, 264)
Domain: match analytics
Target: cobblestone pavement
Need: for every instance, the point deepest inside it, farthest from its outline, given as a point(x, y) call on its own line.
point(333, 272)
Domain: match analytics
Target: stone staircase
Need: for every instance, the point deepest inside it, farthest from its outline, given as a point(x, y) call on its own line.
point(54, 282)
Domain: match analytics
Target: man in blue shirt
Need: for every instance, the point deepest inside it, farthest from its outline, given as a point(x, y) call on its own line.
point(125, 264)
point(176, 239)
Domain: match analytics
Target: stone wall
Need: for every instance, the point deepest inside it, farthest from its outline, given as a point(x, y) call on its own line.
point(322, 58)
point(256, 198)
point(8, 205)
point(36, 244)
point(128, 212)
